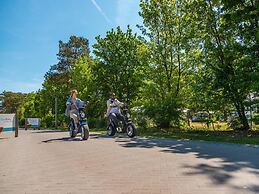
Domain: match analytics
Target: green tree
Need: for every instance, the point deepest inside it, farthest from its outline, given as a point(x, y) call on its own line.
point(228, 40)
point(167, 26)
point(12, 101)
point(84, 81)
point(68, 54)
point(121, 61)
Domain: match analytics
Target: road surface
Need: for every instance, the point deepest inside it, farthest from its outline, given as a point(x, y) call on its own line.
point(50, 162)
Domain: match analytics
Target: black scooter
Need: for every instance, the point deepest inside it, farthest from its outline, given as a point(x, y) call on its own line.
point(115, 125)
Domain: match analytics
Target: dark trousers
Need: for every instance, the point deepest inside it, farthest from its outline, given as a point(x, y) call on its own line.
point(119, 117)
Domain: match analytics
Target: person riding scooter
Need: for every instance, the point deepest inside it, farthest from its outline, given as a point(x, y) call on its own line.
point(72, 107)
point(113, 106)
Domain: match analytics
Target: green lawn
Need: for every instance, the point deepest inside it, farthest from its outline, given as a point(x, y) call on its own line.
point(230, 136)
point(250, 137)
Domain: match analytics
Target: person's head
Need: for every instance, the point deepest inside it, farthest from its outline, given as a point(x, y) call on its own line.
point(74, 93)
point(113, 96)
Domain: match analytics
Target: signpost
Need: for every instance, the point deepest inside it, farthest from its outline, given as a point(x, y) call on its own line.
point(16, 125)
point(32, 123)
point(8, 122)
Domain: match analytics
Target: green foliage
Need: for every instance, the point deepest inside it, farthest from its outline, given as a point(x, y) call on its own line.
point(84, 81)
point(139, 116)
point(234, 123)
point(227, 39)
point(196, 55)
point(12, 101)
point(121, 60)
point(256, 119)
point(165, 113)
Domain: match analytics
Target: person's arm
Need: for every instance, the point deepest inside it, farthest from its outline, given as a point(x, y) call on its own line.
point(108, 108)
point(68, 107)
point(79, 103)
point(119, 103)
point(68, 103)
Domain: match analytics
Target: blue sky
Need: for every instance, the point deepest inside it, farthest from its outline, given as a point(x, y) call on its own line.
point(30, 31)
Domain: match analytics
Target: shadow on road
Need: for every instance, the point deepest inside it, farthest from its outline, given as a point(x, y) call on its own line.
point(49, 131)
point(255, 188)
point(62, 139)
point(78, 138)
point(229, 157)
point(2, 138)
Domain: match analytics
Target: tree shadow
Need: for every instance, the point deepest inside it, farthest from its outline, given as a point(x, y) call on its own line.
point(254, 188)
point(48, 131)
point(2, 138)
point(62, 139)
point(230, 157)
point(77, 138)
point(219, 175)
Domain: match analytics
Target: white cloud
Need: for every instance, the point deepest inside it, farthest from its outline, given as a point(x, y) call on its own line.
point(101, 11)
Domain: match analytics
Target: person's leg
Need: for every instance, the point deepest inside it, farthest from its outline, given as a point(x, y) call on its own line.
point(75, 118)
point(121, 118)
point(113, 117)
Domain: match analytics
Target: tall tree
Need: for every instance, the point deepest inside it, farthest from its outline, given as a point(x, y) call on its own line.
point(121, 59)
point(12, 101)
point(84, 80)
point(166, 24)
point(228, 31)
point(68, 54)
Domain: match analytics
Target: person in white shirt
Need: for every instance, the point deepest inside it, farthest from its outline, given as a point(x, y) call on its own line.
point(113, 106)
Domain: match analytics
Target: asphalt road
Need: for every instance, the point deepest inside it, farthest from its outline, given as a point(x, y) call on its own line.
point(50, 162)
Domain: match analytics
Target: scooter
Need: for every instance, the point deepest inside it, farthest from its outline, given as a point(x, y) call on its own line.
point(115, 125)
point(82, 126)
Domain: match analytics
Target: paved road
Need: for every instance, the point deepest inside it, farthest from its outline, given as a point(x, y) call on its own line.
point(50, 162)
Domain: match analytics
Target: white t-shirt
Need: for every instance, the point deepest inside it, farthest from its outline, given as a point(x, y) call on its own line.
point(113, 106)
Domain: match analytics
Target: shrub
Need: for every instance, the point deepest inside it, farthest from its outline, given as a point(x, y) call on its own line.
point(234, 123)
point(256, 119)
point(165, 113)
point(139, 117)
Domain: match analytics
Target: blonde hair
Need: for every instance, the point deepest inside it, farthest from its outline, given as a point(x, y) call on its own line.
point(73, 91)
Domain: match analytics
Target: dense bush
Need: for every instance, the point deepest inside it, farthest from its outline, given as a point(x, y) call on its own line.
point(139, 117)
point(96, 123)
point(234, 123)
point(164, 113)
point(256, 119)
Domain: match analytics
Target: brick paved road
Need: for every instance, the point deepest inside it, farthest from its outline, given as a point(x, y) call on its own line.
point(50, 162)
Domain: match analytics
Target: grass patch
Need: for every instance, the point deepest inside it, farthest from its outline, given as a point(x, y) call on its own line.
point(203, 126)
point(230, 136)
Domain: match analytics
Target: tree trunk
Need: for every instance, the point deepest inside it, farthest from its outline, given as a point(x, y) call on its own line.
point(241, 114)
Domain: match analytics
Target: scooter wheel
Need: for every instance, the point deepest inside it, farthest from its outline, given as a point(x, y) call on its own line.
point(131, 130)
point(72, 132)
point(85, 132)
point(111, 130)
